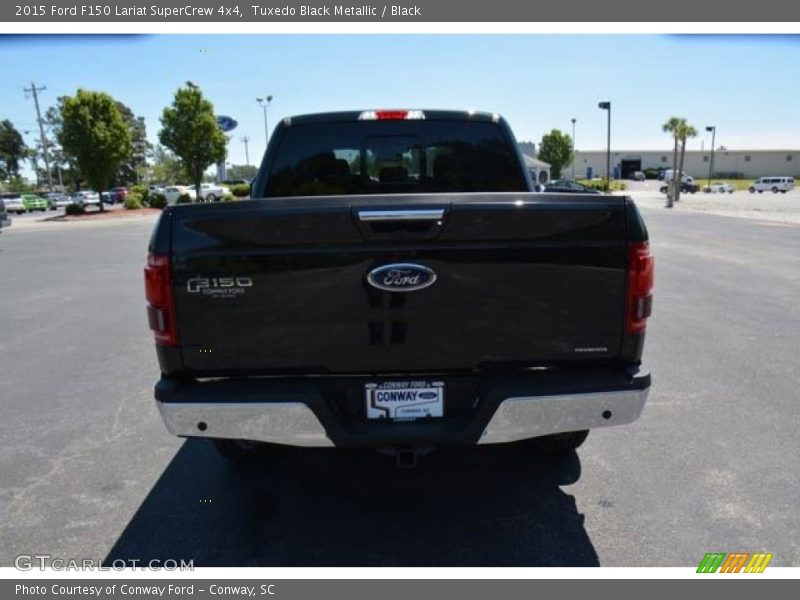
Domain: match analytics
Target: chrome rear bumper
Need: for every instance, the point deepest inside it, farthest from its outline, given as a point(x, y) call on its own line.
point(290, 423)
point(533, 416)
point(295, 424)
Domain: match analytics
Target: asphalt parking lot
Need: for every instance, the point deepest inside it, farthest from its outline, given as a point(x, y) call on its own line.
point(88, 470)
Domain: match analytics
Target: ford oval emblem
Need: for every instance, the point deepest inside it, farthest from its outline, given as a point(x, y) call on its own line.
point(226, 123)
point(401, 277)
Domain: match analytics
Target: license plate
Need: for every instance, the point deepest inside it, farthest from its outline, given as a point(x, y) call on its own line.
point(404, 400)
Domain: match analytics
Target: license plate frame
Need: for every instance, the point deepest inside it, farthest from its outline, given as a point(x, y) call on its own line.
point(407, 400)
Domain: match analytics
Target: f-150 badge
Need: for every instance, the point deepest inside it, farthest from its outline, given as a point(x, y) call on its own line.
point(401, 277)
point(219, 287)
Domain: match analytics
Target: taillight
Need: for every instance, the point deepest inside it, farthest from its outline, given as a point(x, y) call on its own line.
point(391, 115)
point(160, 303)
point(639, 300)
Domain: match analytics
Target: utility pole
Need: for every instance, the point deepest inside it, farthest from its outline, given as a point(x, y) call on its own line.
point(34, 90)
point(246, 139)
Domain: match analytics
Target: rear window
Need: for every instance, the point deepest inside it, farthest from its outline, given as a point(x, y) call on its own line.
point(399, 157)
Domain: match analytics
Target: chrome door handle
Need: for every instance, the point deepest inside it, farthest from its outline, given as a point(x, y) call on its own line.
point(424, 214)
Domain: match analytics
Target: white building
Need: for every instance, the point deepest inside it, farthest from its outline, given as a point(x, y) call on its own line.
point(735, 164)
point(539, 170)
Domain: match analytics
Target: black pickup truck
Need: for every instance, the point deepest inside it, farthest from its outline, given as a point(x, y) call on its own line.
point(395, 283)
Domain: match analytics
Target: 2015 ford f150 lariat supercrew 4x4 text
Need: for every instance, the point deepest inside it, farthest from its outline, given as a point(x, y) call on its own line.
point(394, 282)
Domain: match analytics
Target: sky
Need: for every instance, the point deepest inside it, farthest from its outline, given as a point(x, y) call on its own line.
point(747, 86)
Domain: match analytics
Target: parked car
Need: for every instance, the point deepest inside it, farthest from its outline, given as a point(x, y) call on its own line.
point(34, 202)
point(4, 220)
point(56, 200)
point(772, 184)
point(13, 202)
point(389, 315)
point(687, 185)
point(121, 193)
point(173, 192)
point(211, 192)
point(115, 195)
point(638, 176)
point(719, 187)
point(568, 186)
point(155, 189)
point(85, 198)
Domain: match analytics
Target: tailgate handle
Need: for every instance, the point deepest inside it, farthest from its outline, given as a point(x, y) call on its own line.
point(427, 214)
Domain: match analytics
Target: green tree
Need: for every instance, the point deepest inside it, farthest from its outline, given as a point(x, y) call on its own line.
point(189, 128)
point(130, 170)
point(12, 150)
point(556, 149)
point(166, 167)
point(59, 159)
point(94, 132)
point(671, 127)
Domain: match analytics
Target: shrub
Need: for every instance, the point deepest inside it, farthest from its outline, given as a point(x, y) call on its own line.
point(184, 199)
point(74, 209)
point(228, 198)
point(240, 190)
point(157, 201)
point(617, 186)
point(133, 201)
point(143, 192)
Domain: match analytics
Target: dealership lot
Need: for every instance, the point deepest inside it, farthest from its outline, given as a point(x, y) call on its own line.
point(88, 470)
point(782, 208)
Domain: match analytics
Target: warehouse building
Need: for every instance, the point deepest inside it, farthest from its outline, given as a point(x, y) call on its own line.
point(539, 170)
point(734, 164)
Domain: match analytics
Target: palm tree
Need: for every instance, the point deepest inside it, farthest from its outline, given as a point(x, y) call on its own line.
point(672, 127)
point(684, 132)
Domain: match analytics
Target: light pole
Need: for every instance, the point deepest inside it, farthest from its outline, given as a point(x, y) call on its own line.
point(607, 106)
point(264, 103)
point(713, 130)
point(573, 148)
point(246, 140)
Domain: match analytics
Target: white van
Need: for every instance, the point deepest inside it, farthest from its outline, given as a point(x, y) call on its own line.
point(773, 184)
point(684, 177)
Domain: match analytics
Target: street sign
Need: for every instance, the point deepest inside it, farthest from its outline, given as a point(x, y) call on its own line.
point(226, 123)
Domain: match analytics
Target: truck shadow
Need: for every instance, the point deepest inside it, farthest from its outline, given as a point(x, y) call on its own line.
point(490, 506)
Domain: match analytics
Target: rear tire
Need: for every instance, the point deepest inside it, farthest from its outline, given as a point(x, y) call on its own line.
point(752, 190)
point(561, 443)
point(774, 190)
point(211, 198)
point(241, 452)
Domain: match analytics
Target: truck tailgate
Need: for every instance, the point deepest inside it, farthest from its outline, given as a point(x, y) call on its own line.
point(280, 285)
